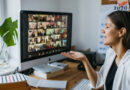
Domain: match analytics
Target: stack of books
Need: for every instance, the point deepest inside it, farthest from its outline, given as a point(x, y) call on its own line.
point(50, 70)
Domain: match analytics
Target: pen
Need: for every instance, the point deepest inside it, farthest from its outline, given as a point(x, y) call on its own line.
point(13, 78)
point(10, 78)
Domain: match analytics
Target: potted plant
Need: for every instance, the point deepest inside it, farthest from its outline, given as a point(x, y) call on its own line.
point(8, 36)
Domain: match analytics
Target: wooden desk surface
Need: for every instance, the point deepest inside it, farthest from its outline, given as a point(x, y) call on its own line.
point(72, 75)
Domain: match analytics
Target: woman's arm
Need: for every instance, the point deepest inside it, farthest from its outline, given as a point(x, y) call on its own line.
point(92, 75)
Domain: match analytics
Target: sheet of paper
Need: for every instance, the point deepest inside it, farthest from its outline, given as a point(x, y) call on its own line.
point(32, 81)
point(45, 83)
point(52, 84)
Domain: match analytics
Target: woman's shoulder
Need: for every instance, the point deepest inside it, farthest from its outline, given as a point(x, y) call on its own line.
point(127, 62)
point(127, 70)
point(127, 58)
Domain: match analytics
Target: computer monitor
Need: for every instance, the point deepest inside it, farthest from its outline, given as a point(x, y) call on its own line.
point(44, 35)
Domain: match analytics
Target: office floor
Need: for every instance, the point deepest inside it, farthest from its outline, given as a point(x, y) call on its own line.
point(72, 75)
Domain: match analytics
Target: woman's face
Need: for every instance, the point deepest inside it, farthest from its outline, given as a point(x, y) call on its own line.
point(110, 33)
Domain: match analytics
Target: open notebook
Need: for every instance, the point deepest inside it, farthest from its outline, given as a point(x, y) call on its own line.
point(18, 77)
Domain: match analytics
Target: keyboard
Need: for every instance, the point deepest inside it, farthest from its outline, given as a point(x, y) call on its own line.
point(84, 84)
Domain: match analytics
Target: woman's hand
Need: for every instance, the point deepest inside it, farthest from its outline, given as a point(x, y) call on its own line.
point(75, 55)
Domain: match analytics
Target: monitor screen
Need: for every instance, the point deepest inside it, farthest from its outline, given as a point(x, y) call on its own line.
point(44, 34)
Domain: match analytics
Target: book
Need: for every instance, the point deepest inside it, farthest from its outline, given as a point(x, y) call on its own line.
point(14, 82)
point(49, 70)
point(55, 84)
point(12, 78)
point(48, 75)
point(22, 85)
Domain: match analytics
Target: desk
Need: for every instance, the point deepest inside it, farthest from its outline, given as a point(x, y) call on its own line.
point(72, 75)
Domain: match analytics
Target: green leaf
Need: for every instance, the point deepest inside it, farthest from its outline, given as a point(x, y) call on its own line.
point(8, 31)
point(16, 33)
point(8, 39)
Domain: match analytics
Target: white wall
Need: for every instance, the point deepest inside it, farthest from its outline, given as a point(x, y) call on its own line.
point(85, 22)
point(1, 11)
point(85, 30)
point(12, 9)
point(41, 5)
point(90, 24)
point(73, 6)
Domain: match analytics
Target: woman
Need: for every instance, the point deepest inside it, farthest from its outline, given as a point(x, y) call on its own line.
point(115, 72)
